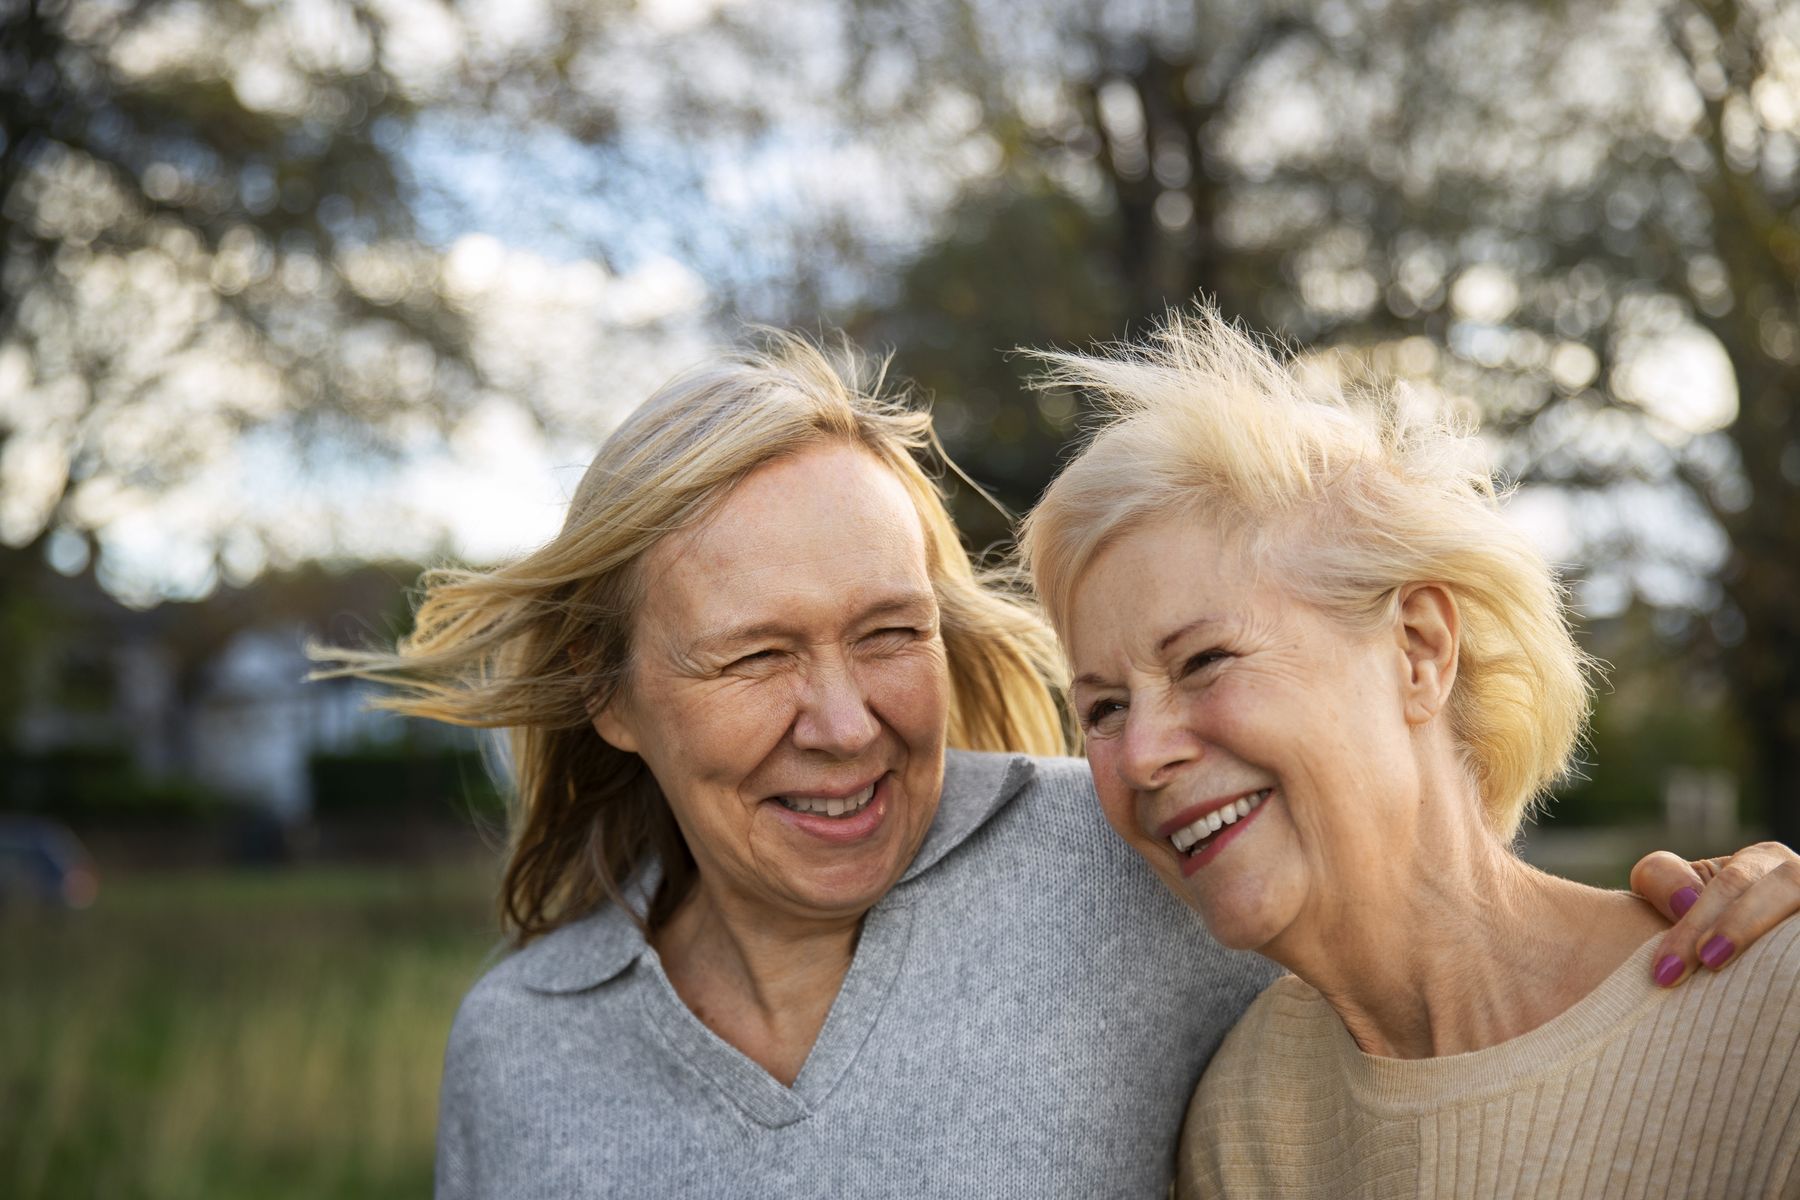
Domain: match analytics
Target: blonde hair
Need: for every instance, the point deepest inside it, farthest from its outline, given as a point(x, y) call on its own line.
point(539, 644)
point(1349, 497)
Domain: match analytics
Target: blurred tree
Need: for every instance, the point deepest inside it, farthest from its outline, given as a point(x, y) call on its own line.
point(1102, 213)
point(1018, 268)
point(1569, 212)
point(1606, 202)
point(1583, 216)
point(203, 231)
point(1665, 716)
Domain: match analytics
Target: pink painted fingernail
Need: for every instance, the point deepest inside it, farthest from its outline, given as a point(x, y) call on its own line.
point(1668, 969)
point(1716, 951)
point(1683, 900)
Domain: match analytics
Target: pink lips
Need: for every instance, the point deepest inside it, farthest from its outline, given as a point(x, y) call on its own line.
point(1188, 816)
point(1226, 835)
point(1194, 862)
point(840, 830)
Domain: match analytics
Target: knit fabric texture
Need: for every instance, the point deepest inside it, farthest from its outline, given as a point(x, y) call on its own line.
point(1026, 1014)
point(1636, 1091)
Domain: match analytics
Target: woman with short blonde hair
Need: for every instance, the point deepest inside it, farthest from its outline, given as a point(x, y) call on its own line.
point(1321, 680)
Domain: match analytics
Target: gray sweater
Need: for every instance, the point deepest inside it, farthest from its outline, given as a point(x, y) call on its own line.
point(1026, 1015)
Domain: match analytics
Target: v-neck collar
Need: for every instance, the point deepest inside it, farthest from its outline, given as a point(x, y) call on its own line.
point(880, 951)
point(608, 946)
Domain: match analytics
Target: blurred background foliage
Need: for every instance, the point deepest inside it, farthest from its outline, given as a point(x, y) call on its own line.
point(235, 1035)
point(279, 281)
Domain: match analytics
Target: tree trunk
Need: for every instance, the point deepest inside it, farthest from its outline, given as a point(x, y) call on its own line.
point(1777, 767)
point(1762, 580)
point(1764, 669)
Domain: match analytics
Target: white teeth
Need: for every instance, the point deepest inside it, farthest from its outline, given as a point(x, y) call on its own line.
point(1188, 836)
point(830, 808)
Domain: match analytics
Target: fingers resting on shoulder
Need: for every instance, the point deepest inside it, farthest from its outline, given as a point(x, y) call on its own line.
point(1719, 905)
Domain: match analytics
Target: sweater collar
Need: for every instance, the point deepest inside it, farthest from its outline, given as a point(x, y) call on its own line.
point(598, 947)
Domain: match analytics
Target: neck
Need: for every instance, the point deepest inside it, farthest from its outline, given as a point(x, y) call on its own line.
point(763, 985)
point(1442, 954)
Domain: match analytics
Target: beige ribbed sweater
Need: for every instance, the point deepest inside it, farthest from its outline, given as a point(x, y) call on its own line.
point(1633, 1092)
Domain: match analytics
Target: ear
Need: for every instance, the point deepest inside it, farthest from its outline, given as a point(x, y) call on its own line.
point(614, 728)
point(608, 719)
point(1429, 630)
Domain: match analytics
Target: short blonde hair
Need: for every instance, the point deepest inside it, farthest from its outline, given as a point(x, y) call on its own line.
point(1349, 497)
point(535, 646)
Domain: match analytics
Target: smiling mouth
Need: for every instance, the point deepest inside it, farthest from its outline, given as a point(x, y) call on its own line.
point(819, 806)
point(1193, 839)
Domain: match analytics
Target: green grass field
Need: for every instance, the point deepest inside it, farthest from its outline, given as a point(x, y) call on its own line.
point(235, 1035)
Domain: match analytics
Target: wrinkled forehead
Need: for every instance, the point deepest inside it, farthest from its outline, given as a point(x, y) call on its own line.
point(803, 536)
point(1155, 577)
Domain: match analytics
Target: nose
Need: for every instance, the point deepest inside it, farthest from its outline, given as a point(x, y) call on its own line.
point(1155, 745)
point(834, 714)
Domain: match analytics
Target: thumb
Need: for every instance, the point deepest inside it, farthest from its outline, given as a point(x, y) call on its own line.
point(1659, 876)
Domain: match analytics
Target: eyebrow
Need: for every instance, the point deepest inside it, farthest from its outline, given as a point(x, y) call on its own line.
point(909, 603)
point(1174, 636)
point(1092, 680)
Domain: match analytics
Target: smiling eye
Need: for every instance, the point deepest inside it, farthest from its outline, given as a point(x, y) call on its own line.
point(754, 660)
point(892, 637)
point(1102, 716)
point(1201, 661)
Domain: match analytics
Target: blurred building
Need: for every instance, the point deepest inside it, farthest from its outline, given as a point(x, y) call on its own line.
point(202, 699)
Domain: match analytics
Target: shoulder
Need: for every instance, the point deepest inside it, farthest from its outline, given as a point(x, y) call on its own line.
point(1761, 986)
point(1040, 808)
point(986, 796)
point(1774, 959)
point(497, 1015)
point(1061, 773)
point(1275, 1069)
point(521, 1000)
point(499, 1002)
point(543, 1033)
point(1047, 787)
point(484, 1039)
point(1062, 786)
point(1286, 1033)
point(1011, 777)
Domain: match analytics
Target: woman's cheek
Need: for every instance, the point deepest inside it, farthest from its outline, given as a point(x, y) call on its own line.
point(1115, 797)
point(740, 724)
point(911, 691)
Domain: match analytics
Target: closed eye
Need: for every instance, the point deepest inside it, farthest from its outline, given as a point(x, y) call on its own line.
point(754, 660)
point(1201, 661)
point(892, 637)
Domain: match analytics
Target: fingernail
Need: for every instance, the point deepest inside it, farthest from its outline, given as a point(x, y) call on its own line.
point(1683, 900)
point(1668, 969)
point(1716, 951)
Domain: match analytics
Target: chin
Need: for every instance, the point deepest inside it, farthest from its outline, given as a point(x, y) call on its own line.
point(847, 887)
point(1244, 913)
